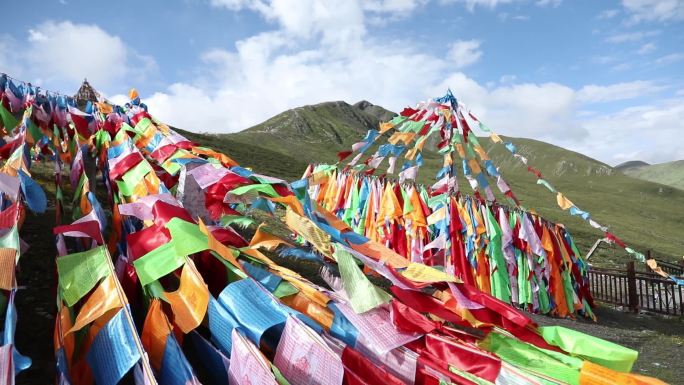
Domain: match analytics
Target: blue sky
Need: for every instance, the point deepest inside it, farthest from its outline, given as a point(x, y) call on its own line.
point(600, 77)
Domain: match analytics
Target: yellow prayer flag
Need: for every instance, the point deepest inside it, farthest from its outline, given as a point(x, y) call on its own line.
point(386, 126)
point(418, 272)
point(563, 202)
point(102, 300)
point(189, 303)
point(309, 231)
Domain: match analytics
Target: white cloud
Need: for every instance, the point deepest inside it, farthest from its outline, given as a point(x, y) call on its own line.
point(631, 36)
point(608, 14)
point(649, 132)
point(463, 53)
point(646, 49)
point(669, 59)
point(620, 91)
point(392, 6)
point(491, 4)
point(655, 10)
point(472, 4)
point(552, 3)
point(49, 54)
point(507, 78)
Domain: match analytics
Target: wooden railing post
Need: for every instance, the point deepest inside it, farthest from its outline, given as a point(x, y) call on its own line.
point(633, 300)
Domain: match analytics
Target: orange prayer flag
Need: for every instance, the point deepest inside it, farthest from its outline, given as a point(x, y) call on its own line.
point(450, 303)
point(474, 166)
point(289, 201)
point(189, 303)
point(332, 220)
point(593, 374)
point(222, 250)
point(266, 240)
point(224, 159)
point(155, 331)
point(8, 258)
point(381, 253)
point(102, 300)
point(152, 183)
point(317, 312)
point(61, 339)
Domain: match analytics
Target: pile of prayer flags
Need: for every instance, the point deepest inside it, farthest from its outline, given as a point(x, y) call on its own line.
point(156, 286)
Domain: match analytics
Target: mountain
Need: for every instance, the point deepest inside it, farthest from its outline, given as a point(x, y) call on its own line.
point(315, 133)
point(631, 164)
point(670, 173)
point(644, 214)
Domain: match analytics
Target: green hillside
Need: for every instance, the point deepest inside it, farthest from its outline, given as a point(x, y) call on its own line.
point(646, 215)
point(670, 173)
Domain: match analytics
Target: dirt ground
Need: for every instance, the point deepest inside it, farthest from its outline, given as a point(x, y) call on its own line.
point(659, 340)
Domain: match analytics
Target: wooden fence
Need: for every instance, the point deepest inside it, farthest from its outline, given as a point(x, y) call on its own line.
point(637, 290)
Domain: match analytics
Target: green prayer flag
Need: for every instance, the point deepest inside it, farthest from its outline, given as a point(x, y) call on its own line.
point(187, 237)
point(285, 289)
point(546, 184)
point(80, 272)
point(500, 285)
point(468, 376)
point(142, 125)
point(279, 376)
point(234, 274)
point(173, 167)
point(594, 349)
point(10, 240)
point(35, 132)
point(8, 120)
point(408, 207)
point(237, 220)
point(263, 188)
point(155, 290)
point(533, 359)
point(412, 126)
point(398, 120)
point(133, 176)
point(158, 262)
point(363, 295)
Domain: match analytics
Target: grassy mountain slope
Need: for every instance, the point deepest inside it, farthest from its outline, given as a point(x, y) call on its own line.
point(670, 173)
point(645, 214)
point(314, 133)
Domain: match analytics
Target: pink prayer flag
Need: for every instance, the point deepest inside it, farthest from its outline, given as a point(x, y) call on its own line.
point(247, 365)
point(9, 185)
point(304, 358)
point(207, 175)
point(376, 329)
point(142, 208)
